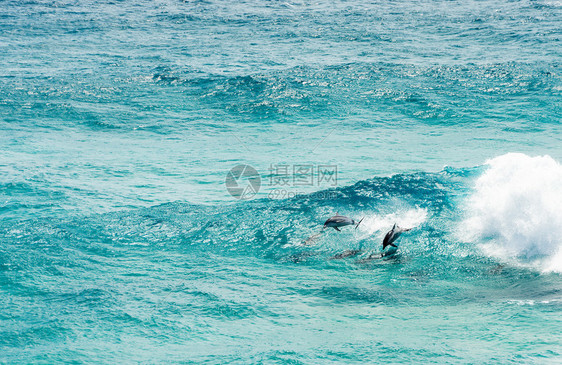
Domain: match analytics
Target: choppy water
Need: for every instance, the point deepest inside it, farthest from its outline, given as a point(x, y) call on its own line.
point(119, 241)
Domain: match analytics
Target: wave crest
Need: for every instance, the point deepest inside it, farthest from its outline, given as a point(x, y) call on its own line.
point(516, 211)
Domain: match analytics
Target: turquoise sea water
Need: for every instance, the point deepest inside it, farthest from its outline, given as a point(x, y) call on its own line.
point(120, 243)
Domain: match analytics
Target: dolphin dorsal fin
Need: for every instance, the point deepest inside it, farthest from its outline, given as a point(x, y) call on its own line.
point(394, 226)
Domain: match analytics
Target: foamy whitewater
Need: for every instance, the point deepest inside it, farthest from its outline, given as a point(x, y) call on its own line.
point(516, 210)
point(123, 239)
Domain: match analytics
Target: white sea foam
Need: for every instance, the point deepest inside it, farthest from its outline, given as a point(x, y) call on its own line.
point(515, 213)
point(406, 219)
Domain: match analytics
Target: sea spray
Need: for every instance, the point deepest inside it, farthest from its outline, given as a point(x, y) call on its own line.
point(515, 212)
point(379, 224)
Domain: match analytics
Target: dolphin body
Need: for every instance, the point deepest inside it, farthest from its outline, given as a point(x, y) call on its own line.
point(393, 235)
point(340, 221)
point(346, 254)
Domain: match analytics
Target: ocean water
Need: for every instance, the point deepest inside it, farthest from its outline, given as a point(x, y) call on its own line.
point(120, 240)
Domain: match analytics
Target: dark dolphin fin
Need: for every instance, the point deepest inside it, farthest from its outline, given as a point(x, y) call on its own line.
point(393, 245)
point(337, 229)
point(385, 245)
point(357, 225)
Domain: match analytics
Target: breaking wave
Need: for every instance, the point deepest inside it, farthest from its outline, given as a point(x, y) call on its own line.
point(515, 213)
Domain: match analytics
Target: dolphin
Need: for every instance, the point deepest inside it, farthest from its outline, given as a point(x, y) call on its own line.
point(340, 221)
point(393, 235)
point(345, 254)
point(311, 240)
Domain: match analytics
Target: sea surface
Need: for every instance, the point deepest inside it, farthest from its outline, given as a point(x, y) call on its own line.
point(125, 239)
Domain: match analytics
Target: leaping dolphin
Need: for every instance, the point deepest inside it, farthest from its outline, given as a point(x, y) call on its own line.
point(340, 221)
point(393, 235)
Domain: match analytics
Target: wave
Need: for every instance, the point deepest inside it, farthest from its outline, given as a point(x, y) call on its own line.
point(515, 213)
point(507, 210)
point(322, 91)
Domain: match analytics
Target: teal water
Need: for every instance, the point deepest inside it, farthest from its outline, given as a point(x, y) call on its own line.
point(120, 243)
